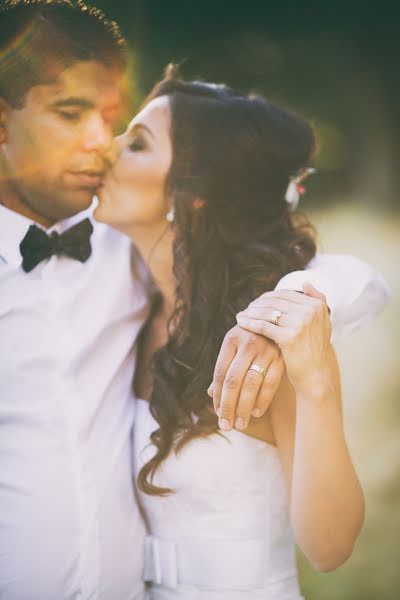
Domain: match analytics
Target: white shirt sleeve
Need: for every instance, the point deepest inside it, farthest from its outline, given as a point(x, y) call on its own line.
point(355, 291)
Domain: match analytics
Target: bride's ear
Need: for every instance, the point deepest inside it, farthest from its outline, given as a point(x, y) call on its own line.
point(4, 116)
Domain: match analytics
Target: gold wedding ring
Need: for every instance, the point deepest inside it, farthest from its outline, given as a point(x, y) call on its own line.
point(255, 367)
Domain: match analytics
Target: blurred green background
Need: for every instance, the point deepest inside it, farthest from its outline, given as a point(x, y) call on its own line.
point(337, 63)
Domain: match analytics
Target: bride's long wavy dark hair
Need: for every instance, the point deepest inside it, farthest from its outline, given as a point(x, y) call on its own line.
point(237, 154)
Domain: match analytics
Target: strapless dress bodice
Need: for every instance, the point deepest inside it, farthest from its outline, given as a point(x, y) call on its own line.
point(224, 533)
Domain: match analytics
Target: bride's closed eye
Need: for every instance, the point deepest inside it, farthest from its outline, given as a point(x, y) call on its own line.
point(137, 144)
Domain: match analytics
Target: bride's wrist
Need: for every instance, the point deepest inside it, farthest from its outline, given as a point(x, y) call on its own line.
point(315, 384)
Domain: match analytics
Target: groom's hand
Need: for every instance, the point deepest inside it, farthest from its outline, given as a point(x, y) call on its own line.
point(239, 393)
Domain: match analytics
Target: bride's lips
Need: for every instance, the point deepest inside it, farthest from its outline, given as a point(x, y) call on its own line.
point(88, 179)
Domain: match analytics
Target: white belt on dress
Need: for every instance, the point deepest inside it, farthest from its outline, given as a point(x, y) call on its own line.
point(206, 563)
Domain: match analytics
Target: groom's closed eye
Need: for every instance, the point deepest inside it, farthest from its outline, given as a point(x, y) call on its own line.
point(72, 108)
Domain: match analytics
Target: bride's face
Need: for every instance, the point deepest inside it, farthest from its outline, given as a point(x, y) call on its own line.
point(133, 193)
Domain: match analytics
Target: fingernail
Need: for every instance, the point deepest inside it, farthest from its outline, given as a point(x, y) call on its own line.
point(224, 424)
point(239, 423)
point(256, 412)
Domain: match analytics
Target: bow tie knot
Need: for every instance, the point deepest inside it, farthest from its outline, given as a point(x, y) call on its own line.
point(37, 245)
point(55, 241)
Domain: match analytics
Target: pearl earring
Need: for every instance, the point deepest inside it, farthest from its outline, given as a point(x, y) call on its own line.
point(170, 216)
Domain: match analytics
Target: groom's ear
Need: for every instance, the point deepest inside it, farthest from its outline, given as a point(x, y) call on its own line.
point(5, 111)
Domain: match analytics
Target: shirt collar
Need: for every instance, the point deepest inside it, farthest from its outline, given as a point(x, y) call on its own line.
point(14, 227)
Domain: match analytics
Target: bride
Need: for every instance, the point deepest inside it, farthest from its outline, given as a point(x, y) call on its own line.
point(204, 170)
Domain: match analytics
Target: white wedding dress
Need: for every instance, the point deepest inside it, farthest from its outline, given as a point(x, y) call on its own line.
point(224, 534)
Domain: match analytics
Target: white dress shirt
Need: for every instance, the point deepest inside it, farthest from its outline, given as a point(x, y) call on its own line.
point(69, 523)
point(355, 291)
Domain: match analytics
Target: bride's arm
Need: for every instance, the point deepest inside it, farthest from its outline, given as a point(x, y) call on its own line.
point(326, 500)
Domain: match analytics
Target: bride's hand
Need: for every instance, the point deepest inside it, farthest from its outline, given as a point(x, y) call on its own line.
point(302, 331)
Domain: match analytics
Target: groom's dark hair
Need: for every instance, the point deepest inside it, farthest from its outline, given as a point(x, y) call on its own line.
point(41, 38)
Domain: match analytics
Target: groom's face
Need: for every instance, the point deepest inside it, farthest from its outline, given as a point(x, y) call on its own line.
point(54, 149)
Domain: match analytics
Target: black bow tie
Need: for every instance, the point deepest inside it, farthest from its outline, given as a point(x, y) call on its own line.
point(37, 245)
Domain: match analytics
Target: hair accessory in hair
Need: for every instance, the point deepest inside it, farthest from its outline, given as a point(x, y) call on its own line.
point(296, 189)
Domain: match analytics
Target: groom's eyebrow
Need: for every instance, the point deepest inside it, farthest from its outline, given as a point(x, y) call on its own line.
point(73, 101)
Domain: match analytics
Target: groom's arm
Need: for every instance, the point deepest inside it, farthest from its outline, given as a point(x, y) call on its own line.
point(355, 294)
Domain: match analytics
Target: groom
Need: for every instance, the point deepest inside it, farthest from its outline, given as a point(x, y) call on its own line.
point(70, 312)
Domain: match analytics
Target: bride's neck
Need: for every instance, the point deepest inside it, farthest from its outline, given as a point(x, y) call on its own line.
point(156, 247)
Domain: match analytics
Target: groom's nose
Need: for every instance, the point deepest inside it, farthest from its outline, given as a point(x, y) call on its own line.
point(97, 135)
point(114, 150)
